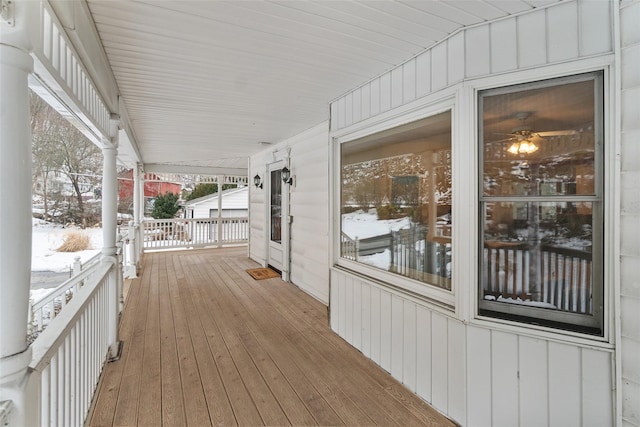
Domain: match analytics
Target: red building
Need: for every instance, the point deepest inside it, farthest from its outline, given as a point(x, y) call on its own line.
point(153, 186)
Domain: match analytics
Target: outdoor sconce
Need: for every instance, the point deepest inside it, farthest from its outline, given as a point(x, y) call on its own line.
point(286, 176)
point(257, 181)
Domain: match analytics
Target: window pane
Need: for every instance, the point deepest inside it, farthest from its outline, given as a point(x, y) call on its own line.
point(541, 203)
point(276, 205)
point(540, 141)
point(396, 200)
point(539, 254)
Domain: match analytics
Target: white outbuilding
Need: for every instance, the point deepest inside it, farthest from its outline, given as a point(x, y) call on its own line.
point(235, 203)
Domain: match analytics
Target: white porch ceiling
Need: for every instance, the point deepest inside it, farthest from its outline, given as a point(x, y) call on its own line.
point(204, 82)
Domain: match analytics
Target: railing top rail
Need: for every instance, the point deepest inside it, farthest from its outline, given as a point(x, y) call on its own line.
point(88, 269)
point(47, 343)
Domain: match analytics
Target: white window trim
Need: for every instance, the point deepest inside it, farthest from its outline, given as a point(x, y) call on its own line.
point(425, 109)
point(611, 193)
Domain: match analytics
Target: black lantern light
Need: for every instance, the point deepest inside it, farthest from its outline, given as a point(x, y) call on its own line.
point(286, 176)
point(257, 181)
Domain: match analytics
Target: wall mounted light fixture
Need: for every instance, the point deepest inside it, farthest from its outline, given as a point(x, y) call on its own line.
point(286, 176)
point(257, 181)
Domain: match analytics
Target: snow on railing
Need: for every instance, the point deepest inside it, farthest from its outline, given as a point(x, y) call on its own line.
point(68, 356)
point(43, 310)
point(194, 232)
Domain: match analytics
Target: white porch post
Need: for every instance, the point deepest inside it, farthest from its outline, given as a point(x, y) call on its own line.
point(138, 212)
point(220, 179)
point(15, 221)
point(109, 230)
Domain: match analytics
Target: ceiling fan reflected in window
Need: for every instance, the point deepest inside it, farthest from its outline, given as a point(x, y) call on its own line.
point(526, 140)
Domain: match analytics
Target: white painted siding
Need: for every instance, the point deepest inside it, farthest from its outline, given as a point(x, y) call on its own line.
point(476, 374)
point(630, 213)
point(562, 32)
point(309, 207)
point(236, 201)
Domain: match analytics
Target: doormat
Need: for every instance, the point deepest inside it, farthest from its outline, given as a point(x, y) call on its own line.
point(262, 273)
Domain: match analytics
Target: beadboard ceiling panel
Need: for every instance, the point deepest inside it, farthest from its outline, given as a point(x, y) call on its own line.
point(208, 82)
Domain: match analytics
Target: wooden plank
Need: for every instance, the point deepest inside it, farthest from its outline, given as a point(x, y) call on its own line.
point(439, 71)
point(423, 74)
point(356, 314)
point(150, 405)
point(477, 51)
point(365, 303)
point(397, 87)
point(375, 324)
point(385, 92)
point(195, 405)
point(385, 330)
point(251, 346)
point(455, 58)
point(456, 369)
point(404, 408)
point(172, 399)
point(409, 80)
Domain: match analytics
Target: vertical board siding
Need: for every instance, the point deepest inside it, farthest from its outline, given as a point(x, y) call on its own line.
point(456, 373)
point(504, 379)
point(409, 346)
point(561, 32)
point(564, 385)
point(478, 377)
point(474, 375)
point(409, 81)
point(423, 74)
point(595, 38)
point(504, 46)
point(439, 362)
point(532, 43)
point(478, 51)
point(423, 348)
point(532, 369)
point(397, 336)
point(630, 223)
point(596, 376)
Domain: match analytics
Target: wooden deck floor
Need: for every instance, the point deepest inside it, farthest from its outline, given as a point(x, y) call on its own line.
point(206, 344)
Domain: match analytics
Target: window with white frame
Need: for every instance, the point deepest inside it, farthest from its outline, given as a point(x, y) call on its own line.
point(396, 200)
point(541, 203)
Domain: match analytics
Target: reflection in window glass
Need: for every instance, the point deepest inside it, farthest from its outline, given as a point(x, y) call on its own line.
point(396, 200)
point(541, 204)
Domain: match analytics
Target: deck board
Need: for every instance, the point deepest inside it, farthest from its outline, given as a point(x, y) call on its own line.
point(206, 344)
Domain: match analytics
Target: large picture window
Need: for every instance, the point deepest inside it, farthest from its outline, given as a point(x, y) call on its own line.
point(541, 203)
point(396, 200)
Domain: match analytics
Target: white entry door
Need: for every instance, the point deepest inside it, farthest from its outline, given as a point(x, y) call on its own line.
point(277, 217)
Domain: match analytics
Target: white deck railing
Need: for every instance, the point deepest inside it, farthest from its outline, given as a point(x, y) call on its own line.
point(194, 232)
point(68, 356)
point(43, 310)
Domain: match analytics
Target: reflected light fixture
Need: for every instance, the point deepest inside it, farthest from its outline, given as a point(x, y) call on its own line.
point(257, 181)
point(523, 146)
point(286, 176)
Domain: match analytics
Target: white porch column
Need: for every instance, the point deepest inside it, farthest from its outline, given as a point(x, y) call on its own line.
point(15, 217)
point(138, 211)
point(109, 230)
point(220, 180)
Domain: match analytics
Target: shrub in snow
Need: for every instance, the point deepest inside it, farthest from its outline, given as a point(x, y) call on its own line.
point(75, 241)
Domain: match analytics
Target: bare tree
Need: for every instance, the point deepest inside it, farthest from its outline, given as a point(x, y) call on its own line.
point(59, 148)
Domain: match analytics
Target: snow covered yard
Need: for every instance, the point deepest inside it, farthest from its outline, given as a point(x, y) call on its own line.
point(46, 238)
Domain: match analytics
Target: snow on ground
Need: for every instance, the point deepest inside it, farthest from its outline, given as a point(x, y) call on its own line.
point(47, 237)
point(362, 224)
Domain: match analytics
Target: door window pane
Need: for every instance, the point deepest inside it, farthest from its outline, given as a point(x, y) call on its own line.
point(276, 205)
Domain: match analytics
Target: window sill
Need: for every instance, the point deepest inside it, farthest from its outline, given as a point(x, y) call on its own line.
point(437, 299)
